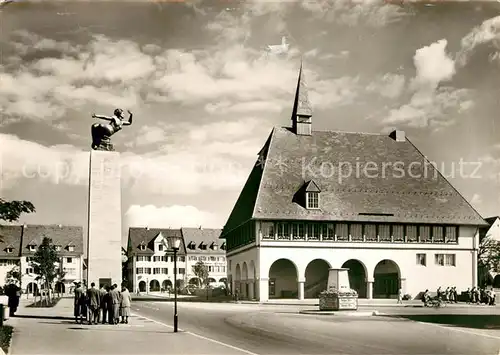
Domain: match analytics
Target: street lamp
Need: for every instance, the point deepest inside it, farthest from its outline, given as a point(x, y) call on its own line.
point(175, 244)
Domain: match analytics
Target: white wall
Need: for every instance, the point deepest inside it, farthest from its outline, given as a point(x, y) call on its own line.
point(494, 231)
point(417, 278)
point(6, 265)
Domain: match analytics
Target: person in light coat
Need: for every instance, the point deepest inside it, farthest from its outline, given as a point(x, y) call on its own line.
point(125, 304)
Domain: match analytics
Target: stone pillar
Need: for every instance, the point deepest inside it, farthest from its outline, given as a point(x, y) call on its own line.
point(369, 289)
point(251, 293)
point(263, 289)
point(474, 268)
point(104, 219)
point(301, 289)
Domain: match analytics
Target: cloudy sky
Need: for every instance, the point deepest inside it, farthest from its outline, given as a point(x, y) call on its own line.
point(205, 95)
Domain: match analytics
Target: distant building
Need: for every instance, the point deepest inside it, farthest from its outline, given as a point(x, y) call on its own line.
point(19, 244)
point(368, 202)
point(492, 230)
point(204, 245)
point(150, 263)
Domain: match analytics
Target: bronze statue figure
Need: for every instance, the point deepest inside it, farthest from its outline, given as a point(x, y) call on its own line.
point(102, 132)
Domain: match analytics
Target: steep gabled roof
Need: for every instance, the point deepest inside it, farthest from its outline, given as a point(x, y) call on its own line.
point(491, 220)
point(311, 186)
point(60, 235)
point(293, 159)
point(138, 235)
point(202, 236)
point(10, 236)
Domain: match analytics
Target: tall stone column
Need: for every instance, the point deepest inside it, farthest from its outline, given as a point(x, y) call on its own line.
point(263, 289)
point(301, 289)
point(251, 293)
point(104, 219)
point(369, 289)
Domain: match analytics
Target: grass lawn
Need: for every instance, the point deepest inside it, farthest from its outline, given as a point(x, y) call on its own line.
point(44, 303)
point(5, 337)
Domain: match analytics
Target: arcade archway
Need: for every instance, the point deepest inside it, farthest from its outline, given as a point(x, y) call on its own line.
point(166, 284)
point(283, 279)
point(316, 278)
point(154, 286)
point(142, 286)
point(357, 276)
point(386, 279)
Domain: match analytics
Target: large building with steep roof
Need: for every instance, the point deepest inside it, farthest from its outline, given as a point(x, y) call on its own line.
point(19, 244)
point(369, 202)
point(150, 262)
point(204, 244)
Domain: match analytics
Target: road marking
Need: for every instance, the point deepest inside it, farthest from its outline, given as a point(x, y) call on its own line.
point(200, 336)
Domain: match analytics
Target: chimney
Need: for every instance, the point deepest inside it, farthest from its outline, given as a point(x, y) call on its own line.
point(147, 228)
point(398, 136)
point(200, 228)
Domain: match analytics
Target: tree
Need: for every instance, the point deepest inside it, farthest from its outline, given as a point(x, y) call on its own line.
point(200, 270)
point(10, 211)
point(45, 263)
point(13, 276)
point(488, 257)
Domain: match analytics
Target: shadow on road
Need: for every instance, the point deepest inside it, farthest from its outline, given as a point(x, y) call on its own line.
point(487, 321)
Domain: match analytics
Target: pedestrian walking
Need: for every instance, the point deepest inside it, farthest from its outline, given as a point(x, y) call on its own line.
point(125, 304)
point(93, 298)
point(400, 296)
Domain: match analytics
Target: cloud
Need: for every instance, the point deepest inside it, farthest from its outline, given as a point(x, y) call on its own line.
point(430, 102)
point(389, 85)
point(488, 31)
point(372, 13)
point(476, 200)
point(171, 216)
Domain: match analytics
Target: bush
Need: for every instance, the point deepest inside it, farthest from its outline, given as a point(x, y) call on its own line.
point(5, 337)
point(407, 297)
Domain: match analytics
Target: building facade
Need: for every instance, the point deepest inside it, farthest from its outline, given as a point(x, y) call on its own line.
point(371, 203)
point(21, 242)
point(205, 245)
point(150, 261)
point(489, 234)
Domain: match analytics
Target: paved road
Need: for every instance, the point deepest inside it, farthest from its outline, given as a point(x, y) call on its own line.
point(265, 329)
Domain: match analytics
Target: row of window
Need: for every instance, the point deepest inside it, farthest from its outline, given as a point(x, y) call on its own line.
point(157, 270)
point(33, 248)
point(29, 259)
point(215, 268)
point(207, 258)
point(164, 258)
point(439, 259)
point(359, 232)
point(69, 271)
point(243, 235)
point(8, 262)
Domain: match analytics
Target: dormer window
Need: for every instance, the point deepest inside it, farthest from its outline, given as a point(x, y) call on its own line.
point(58, 248)
point(214, 246)
point(142, 247)
point(160, 247)
point(202, 246)
point(9, 250)
point(223, 246)
point(192, 245)
point(312, 200)
point(32, 247)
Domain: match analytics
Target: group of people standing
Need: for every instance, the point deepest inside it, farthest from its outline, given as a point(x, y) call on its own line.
point(481, 295)
point(104, 305)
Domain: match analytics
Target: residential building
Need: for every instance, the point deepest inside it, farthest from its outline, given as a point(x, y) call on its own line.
point(19, 244)
point(488, 234)
point(68, 241)
point(204, 245)
point(150, 262)
point(371, 203)
point(10, 246)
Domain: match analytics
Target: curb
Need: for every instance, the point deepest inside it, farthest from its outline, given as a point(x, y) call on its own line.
point(341, 313)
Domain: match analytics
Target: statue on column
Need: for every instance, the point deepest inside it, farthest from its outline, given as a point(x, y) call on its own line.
point(102, 132)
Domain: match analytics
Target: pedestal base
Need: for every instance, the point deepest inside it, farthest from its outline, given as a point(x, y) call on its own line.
point(335, 301)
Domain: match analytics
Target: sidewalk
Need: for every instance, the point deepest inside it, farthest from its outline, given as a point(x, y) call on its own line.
point(53, 331)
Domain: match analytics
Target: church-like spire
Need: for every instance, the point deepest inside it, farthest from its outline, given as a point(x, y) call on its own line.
point(302, 109)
